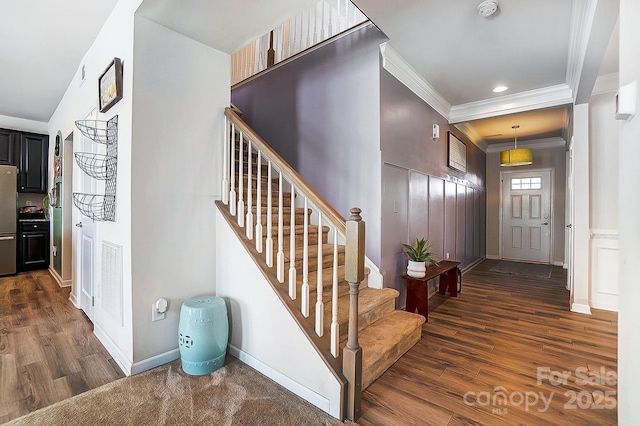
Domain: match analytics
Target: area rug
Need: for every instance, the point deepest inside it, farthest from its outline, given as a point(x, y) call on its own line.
point(235, 394)
point(526, 269)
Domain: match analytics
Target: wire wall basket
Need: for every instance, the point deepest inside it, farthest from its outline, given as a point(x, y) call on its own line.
point(99, 207)
point(100, 131)
point(98, 166)
point(96, 207)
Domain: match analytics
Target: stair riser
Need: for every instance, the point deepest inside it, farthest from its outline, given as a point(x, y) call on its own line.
point(371, 373)
point(327, 262)
point(367, 318)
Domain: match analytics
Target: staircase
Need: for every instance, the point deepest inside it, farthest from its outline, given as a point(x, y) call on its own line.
point(299, 242)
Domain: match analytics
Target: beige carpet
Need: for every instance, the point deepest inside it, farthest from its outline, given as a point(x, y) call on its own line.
point(235, 394)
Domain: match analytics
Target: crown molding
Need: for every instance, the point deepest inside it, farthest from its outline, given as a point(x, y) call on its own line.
point(397, 66)
point(607, 83)
point(582, 15)
point(470, 132)
point(545, 97)
point(533, 144)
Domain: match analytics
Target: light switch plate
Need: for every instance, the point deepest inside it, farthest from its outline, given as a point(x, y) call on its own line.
point(155, 316)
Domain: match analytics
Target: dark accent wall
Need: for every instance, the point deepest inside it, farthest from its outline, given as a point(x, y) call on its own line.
point(421, 196)
point(321, 113)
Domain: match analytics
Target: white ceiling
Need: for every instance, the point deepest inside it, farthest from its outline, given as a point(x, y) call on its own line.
point(41, 45)
point(525, 45)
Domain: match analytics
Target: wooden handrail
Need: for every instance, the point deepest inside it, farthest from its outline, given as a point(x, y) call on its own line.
point(328, 212)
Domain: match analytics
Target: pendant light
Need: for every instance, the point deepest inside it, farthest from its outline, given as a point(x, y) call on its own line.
point(516, 157)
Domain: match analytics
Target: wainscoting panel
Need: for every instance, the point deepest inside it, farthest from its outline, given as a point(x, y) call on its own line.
point(604, 269)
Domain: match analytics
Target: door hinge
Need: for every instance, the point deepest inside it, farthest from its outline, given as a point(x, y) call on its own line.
point(93, 301)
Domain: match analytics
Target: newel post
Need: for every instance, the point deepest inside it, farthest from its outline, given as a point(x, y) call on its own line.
point(354, 273)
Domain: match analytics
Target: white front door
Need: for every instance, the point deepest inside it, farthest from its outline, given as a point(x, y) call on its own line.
point(86, 274)
point(526, 215)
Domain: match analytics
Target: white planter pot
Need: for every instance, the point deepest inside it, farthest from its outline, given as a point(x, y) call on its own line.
point(416, 269)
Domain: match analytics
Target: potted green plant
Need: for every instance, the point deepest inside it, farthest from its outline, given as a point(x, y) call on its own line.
point(419, 255)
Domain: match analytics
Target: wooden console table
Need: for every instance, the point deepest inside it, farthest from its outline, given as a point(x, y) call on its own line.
point(418, 291)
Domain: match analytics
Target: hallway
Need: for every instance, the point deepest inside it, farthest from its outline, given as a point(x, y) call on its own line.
point(500, 336)
point(48, 351)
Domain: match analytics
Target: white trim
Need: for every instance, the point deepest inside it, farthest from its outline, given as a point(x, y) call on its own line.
point(398, 67)
point(607, 83)
point(293, 386)
point(533, 144)
point(546, 97)
point(556, 263)
point(58, 279)
point(113, 349)
point(74, 300)
point(582, 15)
point(580, 308)
point(375, 278)
point(492, 257)
point(155, 361)
point(604, 234)
point(471, 133)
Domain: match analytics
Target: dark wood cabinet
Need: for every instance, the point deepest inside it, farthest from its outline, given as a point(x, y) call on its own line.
point(29, 152)
point(7, 144)
point(32, 153)
point(33, 245)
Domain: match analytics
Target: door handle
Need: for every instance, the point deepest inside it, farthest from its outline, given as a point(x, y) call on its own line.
point(79, 224)
point(6, 238)
point(545, 223)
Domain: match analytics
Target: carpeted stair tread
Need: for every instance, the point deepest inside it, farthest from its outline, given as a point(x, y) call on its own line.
point(386, 340)
point(373, 304)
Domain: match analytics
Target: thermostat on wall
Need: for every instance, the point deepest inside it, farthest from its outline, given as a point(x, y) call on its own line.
point(626, 101)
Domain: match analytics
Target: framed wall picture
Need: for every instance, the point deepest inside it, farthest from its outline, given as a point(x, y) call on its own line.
point(110, 85)
point(456, 153)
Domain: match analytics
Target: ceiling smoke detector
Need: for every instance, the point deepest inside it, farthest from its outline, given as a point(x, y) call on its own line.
point(487, 8)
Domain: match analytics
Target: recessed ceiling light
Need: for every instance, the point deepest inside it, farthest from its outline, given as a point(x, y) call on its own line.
point(499, 89)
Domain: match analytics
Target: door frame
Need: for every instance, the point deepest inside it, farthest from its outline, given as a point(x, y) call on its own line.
point(551, 207)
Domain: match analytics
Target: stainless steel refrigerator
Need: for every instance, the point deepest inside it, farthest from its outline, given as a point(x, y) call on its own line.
point(8, 220)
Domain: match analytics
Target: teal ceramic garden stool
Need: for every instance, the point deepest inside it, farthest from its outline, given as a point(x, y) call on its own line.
point(203, 333)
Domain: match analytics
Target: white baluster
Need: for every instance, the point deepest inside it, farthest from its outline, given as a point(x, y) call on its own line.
point(308, 28)
point(269, 242)
point(305, 262)
point(335, 327)
point(292, 247)
point(241, 182)
point(315, 25)
point(225, 163)
point(280, 255)
point(322, 24)
point(259, 205)
point(319, 302)
point(232, 193)
point(249, 220)
point(330, 29)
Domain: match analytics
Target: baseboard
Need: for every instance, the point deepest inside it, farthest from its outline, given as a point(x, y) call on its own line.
point(471, 265)
point(58, 278)
point(565, 266)
point(293, 386)
point(155, 361)
point(613, 307)
point(492, 257)
point(113, 350)
point(73, 299)
point(558, 264)
point(580, 308)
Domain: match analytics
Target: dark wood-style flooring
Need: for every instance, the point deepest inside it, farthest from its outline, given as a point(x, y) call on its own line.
point(488, 342)
point(500, 336)
point(48, 351)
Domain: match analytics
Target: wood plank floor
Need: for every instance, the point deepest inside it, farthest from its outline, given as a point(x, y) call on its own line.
point(499, 337)
point(48, 351)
